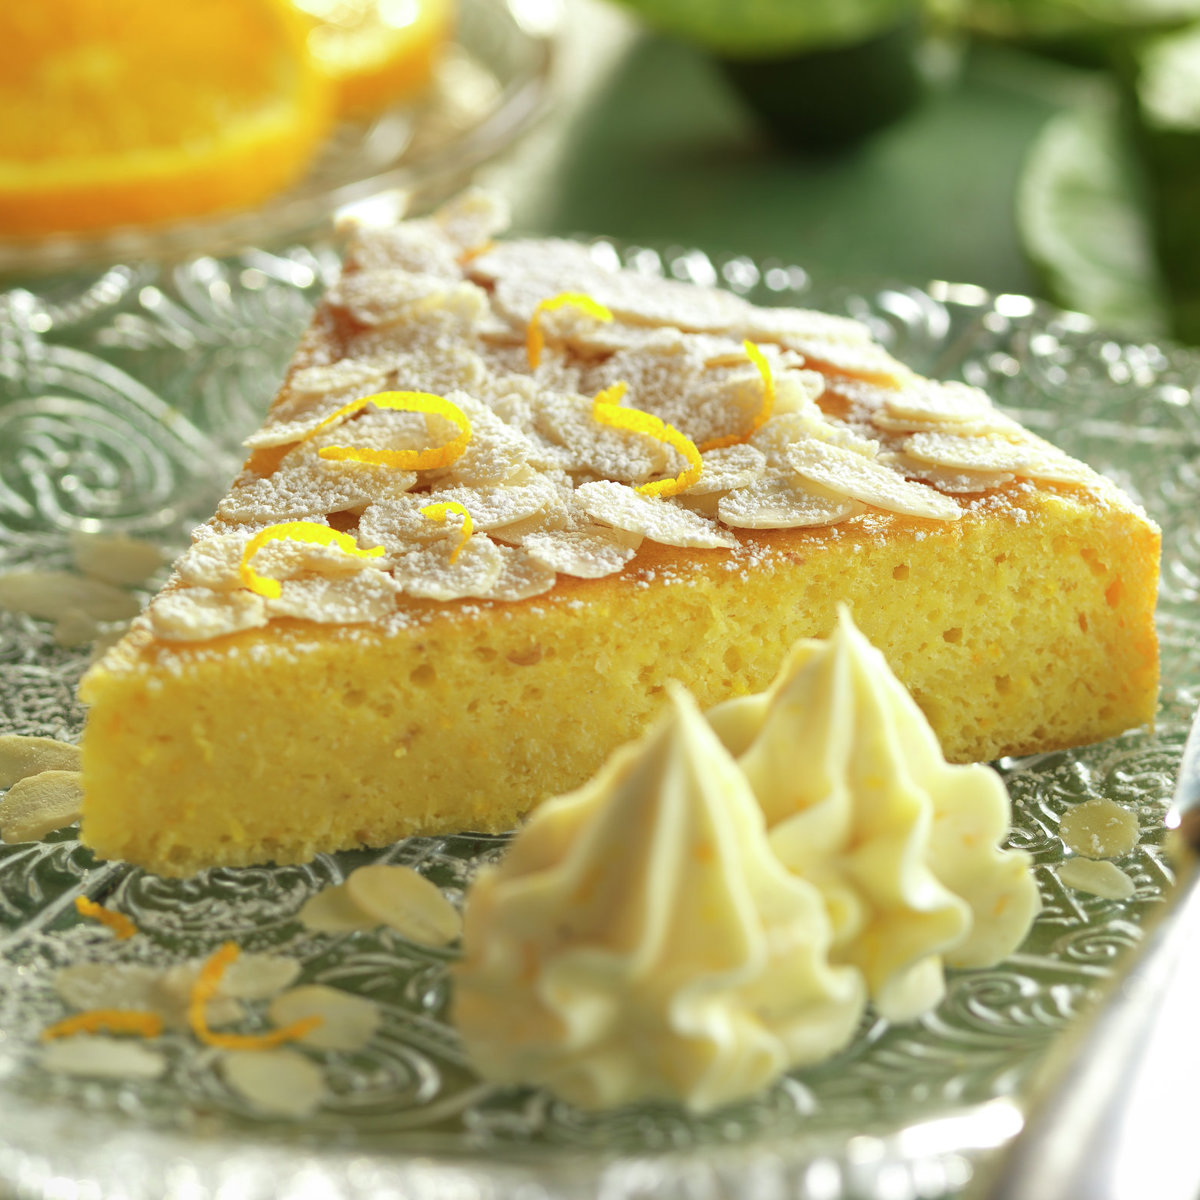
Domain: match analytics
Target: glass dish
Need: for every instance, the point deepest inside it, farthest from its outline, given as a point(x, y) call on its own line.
point(489, 83)
point(121, 407)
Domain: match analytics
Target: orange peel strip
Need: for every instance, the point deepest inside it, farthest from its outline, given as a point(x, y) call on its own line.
point(404, 460)
point(765, 409)
point(107, 1020)
point(119, 923)
point(294, 531)
point(439, 512)
point(606, 409)
point(535, 339)
point(205, 988)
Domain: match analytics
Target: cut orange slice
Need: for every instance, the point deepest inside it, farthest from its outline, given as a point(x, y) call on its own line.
point(136, 112)
point(377, 52)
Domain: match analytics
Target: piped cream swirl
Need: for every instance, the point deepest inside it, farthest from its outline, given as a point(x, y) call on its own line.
point(642, 941)
point(903, 846)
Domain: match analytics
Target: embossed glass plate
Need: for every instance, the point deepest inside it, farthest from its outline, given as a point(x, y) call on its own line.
point(488, 84)
point(121, 406)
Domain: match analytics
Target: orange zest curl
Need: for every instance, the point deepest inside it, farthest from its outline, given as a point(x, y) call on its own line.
point(106, 1020)
point(294, 531)
point(405, 460)
point(439, 512)
point(607, 410)
point(119, 923)
point(535, 339)
point(208, 981)
point(765, 409)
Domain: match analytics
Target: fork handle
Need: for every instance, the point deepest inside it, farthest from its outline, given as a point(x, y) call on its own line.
point(1116, 1118)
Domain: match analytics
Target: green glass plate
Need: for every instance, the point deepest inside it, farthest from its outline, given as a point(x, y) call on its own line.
point(122, 401)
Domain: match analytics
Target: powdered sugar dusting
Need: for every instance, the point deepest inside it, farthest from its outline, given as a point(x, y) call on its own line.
point(542, 488)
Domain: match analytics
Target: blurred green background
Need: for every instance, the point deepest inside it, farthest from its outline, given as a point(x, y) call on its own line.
point(1015, 171)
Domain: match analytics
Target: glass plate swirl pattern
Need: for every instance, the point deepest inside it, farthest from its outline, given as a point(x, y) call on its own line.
point(122, 403)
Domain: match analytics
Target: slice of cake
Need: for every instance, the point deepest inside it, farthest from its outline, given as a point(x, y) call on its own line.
point(508, 491)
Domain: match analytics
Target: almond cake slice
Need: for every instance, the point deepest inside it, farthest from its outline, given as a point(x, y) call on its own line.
point(507, 492)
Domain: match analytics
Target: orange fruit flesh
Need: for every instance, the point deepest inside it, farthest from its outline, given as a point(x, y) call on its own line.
point(135, 111)
point(377, 52)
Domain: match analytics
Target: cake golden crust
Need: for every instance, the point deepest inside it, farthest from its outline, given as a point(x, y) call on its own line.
point(1026, 626)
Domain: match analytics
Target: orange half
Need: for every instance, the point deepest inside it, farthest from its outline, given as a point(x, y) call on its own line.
point(377, 52)
point(136, 112)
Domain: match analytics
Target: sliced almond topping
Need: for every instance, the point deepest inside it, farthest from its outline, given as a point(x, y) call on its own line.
point(311, 395)
point(53, 595)
point(766, 407)
point(305, 485)
point(728, 467)
point(420, 246)
point(521, 576)
point(440, 455)
point(94, 1056)
point(659, 520)
point(779, 434)
point(1099, 828)
point(1032, 459)
point(38, 804)
point(386, 296)
point(854, 475)
point(108, 985)
point(796, 391)
point(525, 272)
point(404, 900)
point(336, 376)
point(535, 339)
point(75, 629)
point(215, 559)
point(445, 570)
point(587, 553)
point(339, 600)
point(776, 323)
point(197, 614)
point(954, 483)
point(442, 512)
point(495, 507)
point(779, 501)
point(279, 1083)
point(173, 996)
point(21, 756)
point(115, 558)
point(860, 360)
point(563, 512)
point(1103, 879)
point(333, 910)
point(248, 977)
point(994, 422)
point(294, 531)
point(206, 987)
point(607, 410)
point(495, 454)
point(568, 423)
point(399, 526)
point(939, 403)
point(472, 218)
point(348, 1022)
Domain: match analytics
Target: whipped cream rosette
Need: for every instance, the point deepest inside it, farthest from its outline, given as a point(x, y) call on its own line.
point(903, 846)
point(641, 940)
